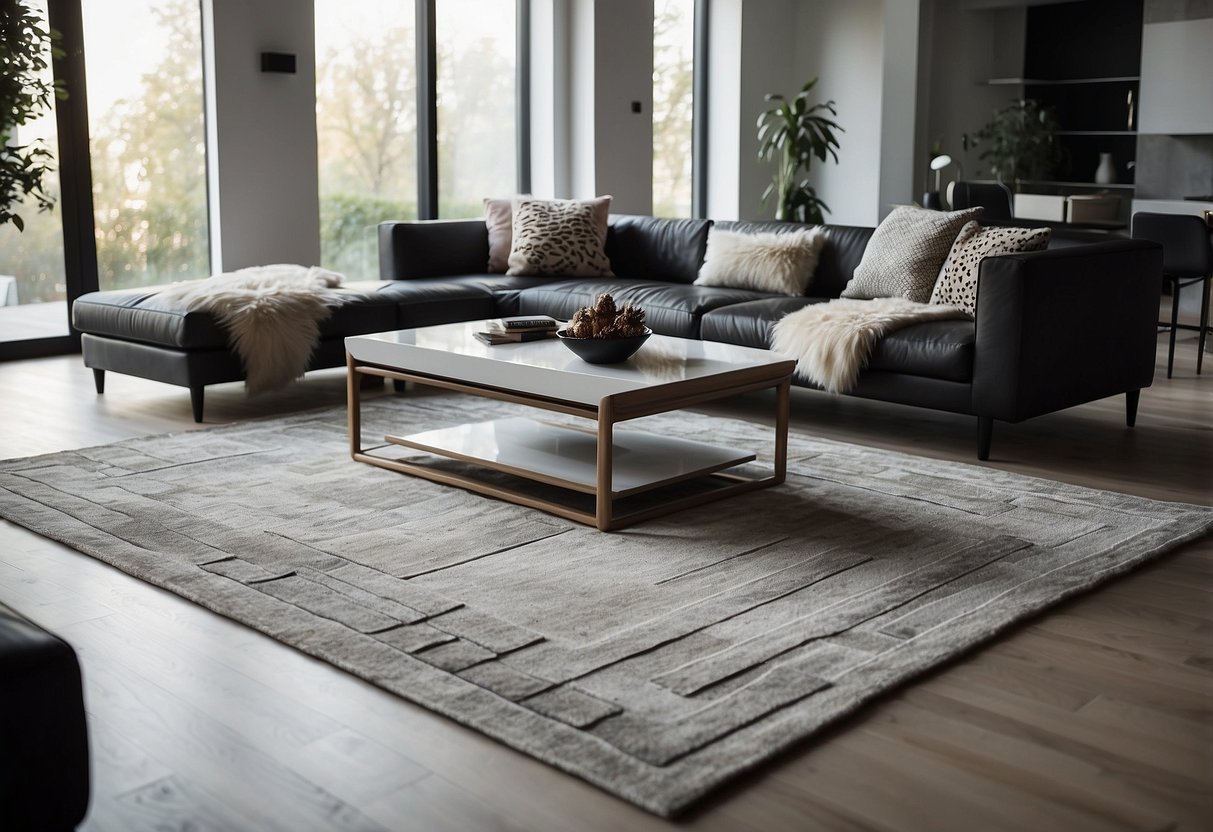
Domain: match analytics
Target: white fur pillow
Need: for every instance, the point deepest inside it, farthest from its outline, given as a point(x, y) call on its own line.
point(781, 262)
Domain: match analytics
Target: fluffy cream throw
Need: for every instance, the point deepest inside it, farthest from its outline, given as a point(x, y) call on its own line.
point(272, 315)
point(832, 342)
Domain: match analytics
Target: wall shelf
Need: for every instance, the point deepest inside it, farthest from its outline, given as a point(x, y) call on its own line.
point(1058, 184)
point(1030, 82)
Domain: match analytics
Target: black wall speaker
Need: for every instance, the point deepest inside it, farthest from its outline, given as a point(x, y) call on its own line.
point(278, 62)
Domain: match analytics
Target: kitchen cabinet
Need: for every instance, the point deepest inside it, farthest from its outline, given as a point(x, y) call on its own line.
point(1177, 77)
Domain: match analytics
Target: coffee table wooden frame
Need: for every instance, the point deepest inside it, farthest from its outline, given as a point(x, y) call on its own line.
point(611, 410)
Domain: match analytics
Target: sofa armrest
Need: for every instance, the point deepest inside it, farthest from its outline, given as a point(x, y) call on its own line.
point(432, 248)
point(1060, 327)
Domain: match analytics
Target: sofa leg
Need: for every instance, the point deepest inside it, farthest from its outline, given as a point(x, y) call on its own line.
point(1131, 400)
point(398, 385)
point(985, 433)
point(99, 381)
point(196, 401)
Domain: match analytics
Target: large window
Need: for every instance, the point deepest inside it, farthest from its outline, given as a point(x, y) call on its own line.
point(476, 104)
point(673, 95)
point(143, 60)
point(33, 287)
point(366, 122)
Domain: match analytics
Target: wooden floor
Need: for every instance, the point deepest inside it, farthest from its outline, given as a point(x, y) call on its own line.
point(1098, 715)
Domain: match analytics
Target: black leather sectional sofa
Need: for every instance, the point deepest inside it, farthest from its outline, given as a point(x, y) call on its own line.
point(1053, 329)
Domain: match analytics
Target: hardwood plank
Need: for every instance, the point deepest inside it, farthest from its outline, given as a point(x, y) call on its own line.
point(438, 805)
point(199, 749)
point(1153, 771)
point(1140, 644)
point(921, 790)
point(355, 767)
point(175, 804)
point(1024, 765)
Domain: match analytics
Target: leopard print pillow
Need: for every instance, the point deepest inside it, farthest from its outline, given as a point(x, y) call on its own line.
point(560, 237)
point(957, 284)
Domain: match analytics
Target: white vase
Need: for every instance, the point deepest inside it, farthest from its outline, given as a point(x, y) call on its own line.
point(1105, 174)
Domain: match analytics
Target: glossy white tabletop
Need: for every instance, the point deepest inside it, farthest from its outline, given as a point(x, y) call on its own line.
point(548, 368)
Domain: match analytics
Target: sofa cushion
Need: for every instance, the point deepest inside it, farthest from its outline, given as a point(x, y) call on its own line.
point(905, 253)
point(749, 324)
point(427, 302)
point(652, 248)
point(780, 262)
point(669, 308)
point(141, 315)
point(560, 237)
point(432, 248)
point(935, 349)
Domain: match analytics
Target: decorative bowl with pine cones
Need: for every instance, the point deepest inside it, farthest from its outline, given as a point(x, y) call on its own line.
point(604, 333)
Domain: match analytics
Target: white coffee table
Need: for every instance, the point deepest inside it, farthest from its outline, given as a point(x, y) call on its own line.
point(666, 374)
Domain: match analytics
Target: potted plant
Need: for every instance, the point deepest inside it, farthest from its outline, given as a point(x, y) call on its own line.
point(26, 48)
point(1020, 142)
point(791, 133)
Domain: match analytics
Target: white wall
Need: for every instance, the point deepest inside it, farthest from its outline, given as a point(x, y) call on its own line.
point(841, 43)
point(261, 134)
point(767, 47)
point(898, 102)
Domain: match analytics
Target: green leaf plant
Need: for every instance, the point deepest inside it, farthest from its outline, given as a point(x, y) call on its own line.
point(791, 133)
point(27, 46)
point(1020, 142)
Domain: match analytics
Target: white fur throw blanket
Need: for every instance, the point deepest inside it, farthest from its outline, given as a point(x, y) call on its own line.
point(832, 342)
point(272, 315)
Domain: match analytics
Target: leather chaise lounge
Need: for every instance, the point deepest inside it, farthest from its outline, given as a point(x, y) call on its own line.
point(1053, 328)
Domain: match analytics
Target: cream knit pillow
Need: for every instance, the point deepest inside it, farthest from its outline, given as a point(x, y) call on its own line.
point(905, 253)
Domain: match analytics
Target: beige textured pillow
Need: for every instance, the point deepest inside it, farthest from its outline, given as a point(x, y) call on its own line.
point(957, 284)
point(560, 237)
point(906, 251)
point(781, 262)
point(499, 220)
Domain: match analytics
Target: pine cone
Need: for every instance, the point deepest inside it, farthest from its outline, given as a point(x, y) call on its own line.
point(604, 314)
point(582, 324)
point(629, 322)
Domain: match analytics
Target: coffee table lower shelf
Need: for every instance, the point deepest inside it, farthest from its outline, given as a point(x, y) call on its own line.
point(567, 457)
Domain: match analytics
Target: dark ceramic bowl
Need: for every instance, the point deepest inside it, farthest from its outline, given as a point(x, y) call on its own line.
point(603, 350)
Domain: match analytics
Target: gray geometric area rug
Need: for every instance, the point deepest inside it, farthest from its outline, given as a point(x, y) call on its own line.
point(656, 662)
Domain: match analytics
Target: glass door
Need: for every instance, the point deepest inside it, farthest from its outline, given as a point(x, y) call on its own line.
point(33, 284)
point(130, 186)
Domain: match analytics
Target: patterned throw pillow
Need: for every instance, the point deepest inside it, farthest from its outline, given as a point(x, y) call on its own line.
point(903, 257)
point(781, 262)
point(957, 285)
point(560, 237)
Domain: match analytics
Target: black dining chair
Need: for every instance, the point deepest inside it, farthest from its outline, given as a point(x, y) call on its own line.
point(1187, 258)
point(995, 197)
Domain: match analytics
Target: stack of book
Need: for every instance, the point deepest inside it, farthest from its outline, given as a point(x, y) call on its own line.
point(518, 328)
